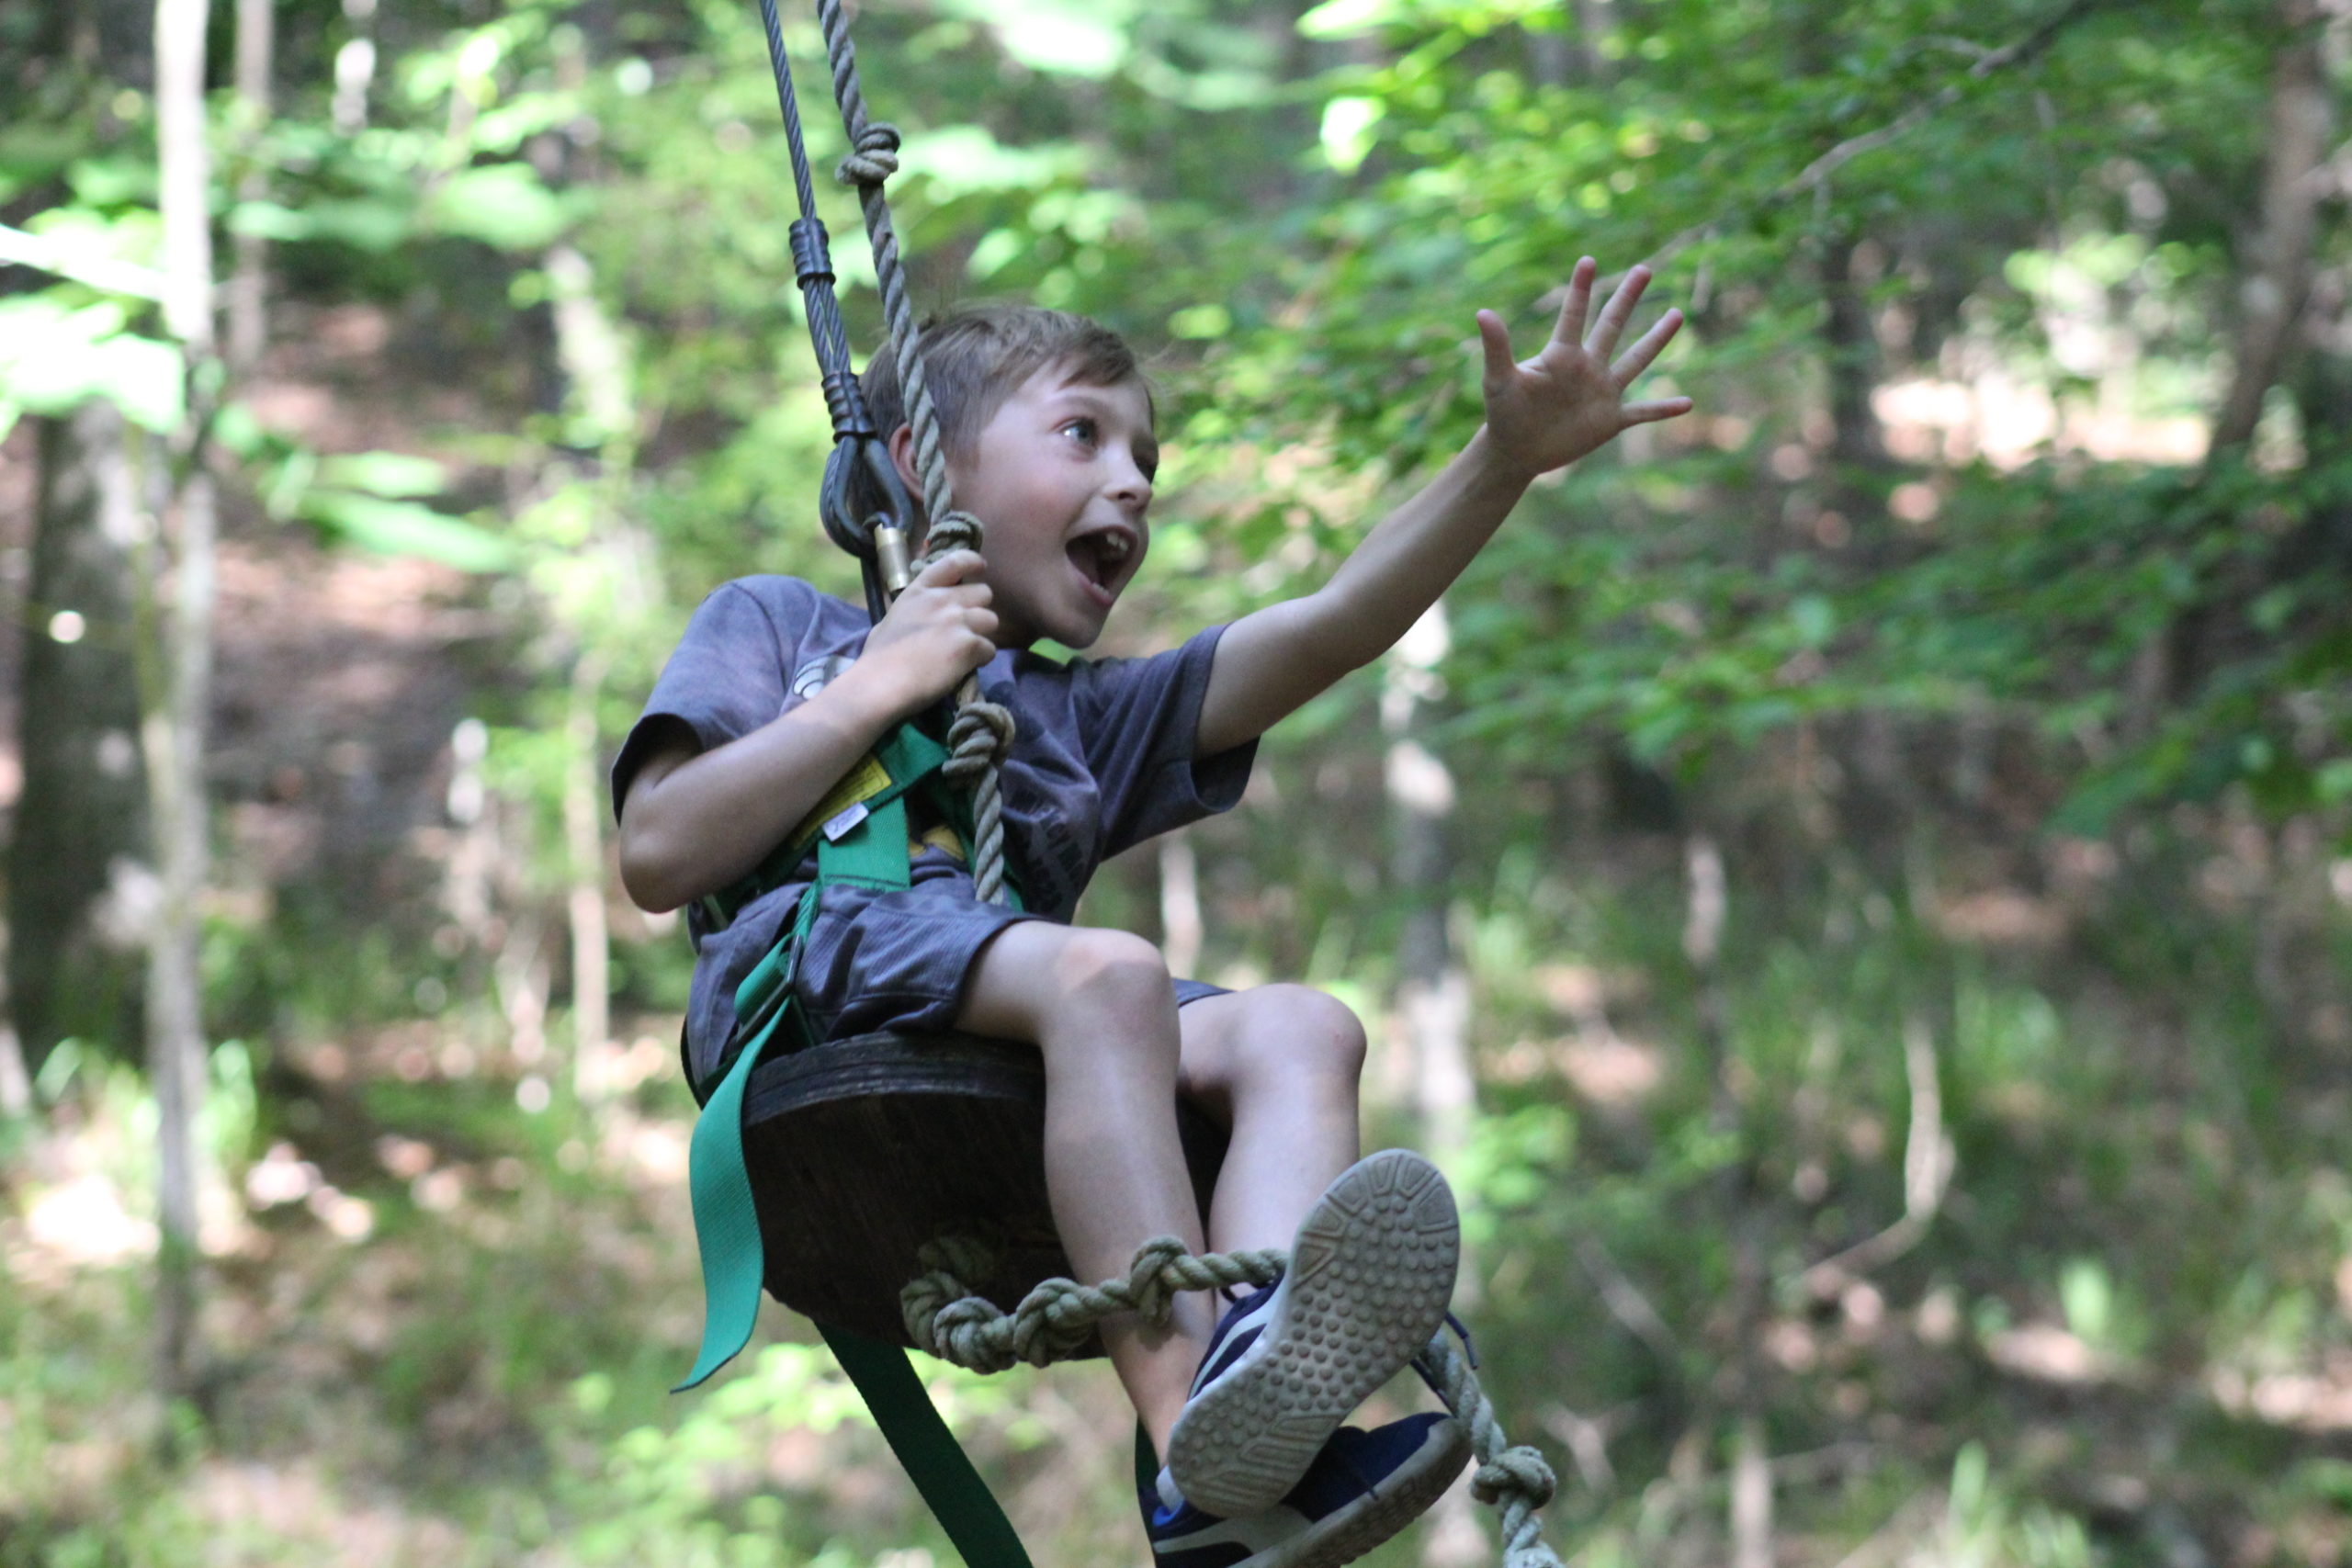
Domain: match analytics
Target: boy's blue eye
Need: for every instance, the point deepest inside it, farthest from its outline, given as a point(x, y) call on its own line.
point(1085, 429)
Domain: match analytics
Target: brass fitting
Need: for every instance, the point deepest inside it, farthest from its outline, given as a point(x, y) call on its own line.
point(890, 556)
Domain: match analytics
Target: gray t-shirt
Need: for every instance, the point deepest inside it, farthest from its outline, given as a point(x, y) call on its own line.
point(1103, 761)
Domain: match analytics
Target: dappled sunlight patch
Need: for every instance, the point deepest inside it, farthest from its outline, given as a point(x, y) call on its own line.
point(1572, 990)
point(85, 1224)
point(1611, 1073)
point(1792, 1343)
point(270, 1513)
point(2047, 1353)
point(2009, 421)
point(615, 1068)
point(1604, 1068)
point(652, 1151)
point(344, 1216)
point(2026, 1107)
point(2002, 917)
point(2317, 1402)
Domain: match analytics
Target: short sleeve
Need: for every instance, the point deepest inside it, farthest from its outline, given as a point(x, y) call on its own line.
point(1137, 719)
point(726, 678)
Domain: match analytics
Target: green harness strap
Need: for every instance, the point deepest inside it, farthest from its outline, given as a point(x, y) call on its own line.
point(885, 1377)
point(865, 843)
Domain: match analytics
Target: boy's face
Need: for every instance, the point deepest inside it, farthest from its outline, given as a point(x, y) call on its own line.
point(1060, 478)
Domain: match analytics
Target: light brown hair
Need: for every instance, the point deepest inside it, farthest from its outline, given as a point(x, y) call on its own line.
point(977, 355)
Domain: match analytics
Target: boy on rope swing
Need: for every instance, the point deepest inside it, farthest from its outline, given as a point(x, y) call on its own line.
point(777, 693)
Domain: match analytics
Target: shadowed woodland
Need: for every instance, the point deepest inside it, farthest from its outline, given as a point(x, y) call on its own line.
point(1854, 886)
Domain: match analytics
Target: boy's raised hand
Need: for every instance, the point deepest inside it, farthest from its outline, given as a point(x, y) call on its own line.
point(1548, 411)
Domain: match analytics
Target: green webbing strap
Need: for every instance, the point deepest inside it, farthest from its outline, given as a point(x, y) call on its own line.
point(727, 1223)
point(727, 1219)
point(960, 1500)
point(907, 757)
point(1147, 1463)
point(871, 851)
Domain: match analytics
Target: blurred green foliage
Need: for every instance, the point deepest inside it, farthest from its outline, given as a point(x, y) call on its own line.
point(2035, 750)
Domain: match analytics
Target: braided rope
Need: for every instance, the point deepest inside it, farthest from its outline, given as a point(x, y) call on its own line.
point(982, 732)
point(1054, 1321)
point(1516, 1482)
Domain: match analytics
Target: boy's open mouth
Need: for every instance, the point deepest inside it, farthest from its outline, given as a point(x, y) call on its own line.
point(1102, 555)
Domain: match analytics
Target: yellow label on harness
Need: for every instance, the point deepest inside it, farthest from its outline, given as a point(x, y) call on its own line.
point(942, 837)
point(864, 780)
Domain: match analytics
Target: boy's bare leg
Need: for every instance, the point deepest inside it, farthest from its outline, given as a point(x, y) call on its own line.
point(1098, 1005)
point(1280, 1065)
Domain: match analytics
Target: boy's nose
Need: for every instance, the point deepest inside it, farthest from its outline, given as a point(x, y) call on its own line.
point(1129, 485)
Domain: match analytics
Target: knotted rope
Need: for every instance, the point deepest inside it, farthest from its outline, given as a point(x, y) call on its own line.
point(982, 732)
point(1516, 1482)
point(1056, 1319)
point(946, 1317)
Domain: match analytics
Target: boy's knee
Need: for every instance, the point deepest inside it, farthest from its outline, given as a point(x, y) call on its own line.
point(1113, 966)
point(1300, 1027)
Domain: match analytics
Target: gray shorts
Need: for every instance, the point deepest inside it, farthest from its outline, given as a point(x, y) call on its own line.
point(877, 960)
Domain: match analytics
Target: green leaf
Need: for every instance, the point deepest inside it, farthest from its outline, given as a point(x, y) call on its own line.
point(2099, 798)
point(55, 357)
point(394, 474)
point(406, 528)
point(1816, 619)
point(1067, 37)
point(503, 205)
point(366, 223)
point(1349, 18)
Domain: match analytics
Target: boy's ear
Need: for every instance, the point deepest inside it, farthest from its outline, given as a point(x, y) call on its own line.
point(902, 458)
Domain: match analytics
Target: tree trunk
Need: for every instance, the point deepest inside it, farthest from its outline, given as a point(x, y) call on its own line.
point(249, 285)
point(2279, 259)
point(2321, 382)
point(1851, 347)
point(601, 407)
point(1741, 1217)
point(1751, 1495)
point(179, 686)
point(1433, 989)
point(16, 1084)
point(1433, 992)
point(80, 892)
point(355, 69)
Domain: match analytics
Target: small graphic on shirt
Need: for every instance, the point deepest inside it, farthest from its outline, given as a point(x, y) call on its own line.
point(817, 674)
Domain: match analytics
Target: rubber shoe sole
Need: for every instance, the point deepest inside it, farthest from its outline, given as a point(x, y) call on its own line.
point(1286, 1537)
point(1364, 1524)
point(1370, 1277)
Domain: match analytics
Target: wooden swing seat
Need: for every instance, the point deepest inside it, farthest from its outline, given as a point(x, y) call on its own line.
point(861, 1151)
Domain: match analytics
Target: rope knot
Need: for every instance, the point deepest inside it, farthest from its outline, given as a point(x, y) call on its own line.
point(1517, 1475)
point(977, 740)
point(1053, 1320)
point(948, 1262)
point(1152, 1277)
point(970, 1334)
point(875, 158)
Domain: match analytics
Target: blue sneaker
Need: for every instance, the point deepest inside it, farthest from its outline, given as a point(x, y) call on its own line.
point(1362, 1488)
point(1369, 1276)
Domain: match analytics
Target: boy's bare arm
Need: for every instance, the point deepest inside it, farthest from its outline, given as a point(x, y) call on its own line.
point(695, 822)
point(1541, 415)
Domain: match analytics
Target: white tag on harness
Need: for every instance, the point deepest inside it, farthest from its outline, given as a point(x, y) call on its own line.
point(843, 821)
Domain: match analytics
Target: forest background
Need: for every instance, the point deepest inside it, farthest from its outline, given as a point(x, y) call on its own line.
point(1854, 886)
